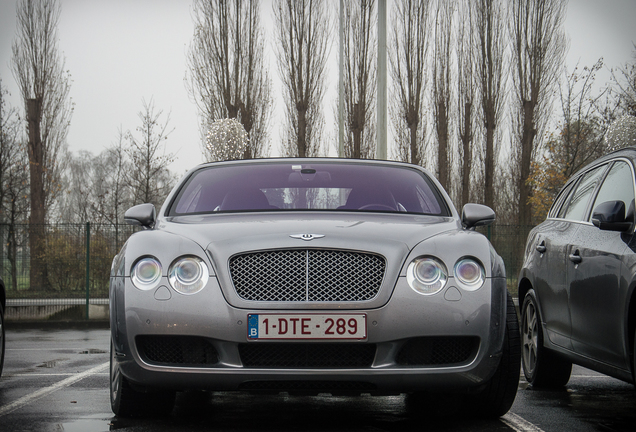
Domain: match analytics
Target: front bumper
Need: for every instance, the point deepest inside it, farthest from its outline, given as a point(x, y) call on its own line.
point(477, 318)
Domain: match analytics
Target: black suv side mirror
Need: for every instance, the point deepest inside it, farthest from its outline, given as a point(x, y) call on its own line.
point(610, 216)
point(474, 215)
point(143, 215)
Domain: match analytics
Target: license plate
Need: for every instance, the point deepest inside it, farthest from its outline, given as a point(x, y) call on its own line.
point(307, 326)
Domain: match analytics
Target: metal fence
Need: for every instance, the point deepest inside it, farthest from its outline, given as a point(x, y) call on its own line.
point(509, 242)
point(68, 278)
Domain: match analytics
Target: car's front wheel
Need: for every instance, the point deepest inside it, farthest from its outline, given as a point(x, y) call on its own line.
point(125, 401)
point(541, 367)
point(497, 397)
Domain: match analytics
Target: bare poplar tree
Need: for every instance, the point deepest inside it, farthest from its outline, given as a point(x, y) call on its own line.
point(490, 19)
point(360, 70)
point(302, 37)
point(466, 93)
point(227, 76)
point(408, 61)
point(442, 70)
point(44, 85)
point(149, 178)
point(538, 50)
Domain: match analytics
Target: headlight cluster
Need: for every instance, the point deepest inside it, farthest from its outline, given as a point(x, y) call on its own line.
point(469, 274)
point(428, 275)
point(187, 275)
point(146, 273)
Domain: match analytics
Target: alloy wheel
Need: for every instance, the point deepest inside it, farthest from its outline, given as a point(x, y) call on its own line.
point(530, 334)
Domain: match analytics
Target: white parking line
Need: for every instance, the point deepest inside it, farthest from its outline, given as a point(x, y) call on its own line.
point(589, 376)
point(519, 423)
point(37, 349)
point(6, 409)
point(44, 374)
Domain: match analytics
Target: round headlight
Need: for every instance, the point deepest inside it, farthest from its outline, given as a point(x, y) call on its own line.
point(426, 275)
point(188, 275)
point(146, 273)
point(470, 274)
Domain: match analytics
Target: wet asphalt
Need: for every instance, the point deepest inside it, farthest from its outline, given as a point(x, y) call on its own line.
point(56, 379)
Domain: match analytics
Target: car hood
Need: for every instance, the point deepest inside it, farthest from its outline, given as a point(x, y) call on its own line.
point(274, 230)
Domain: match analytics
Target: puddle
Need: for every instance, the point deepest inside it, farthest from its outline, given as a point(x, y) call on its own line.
point(51, 363)
point(93, 351)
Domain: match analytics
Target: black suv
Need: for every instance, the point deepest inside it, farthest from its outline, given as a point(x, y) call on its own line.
point(576, 287)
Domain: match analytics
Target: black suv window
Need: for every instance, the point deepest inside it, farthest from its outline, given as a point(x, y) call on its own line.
point(580, 198)
point(617, 186)
point(562, 198)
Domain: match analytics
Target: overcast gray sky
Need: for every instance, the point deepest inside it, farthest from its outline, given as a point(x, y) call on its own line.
point(122, 51)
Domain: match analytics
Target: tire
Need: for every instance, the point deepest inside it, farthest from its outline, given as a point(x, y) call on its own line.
point(1, 339)
point(497, 397)
point(541, 367)
point(125, 401)
point(633, 362)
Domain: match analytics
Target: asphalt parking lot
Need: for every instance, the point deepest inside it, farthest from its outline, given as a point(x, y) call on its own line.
point(56, 379)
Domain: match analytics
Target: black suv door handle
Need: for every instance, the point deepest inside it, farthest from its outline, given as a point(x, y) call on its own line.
point(575, 257)
point(541, 247)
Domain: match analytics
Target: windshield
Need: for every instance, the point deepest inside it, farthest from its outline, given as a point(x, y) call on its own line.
point(318, 186)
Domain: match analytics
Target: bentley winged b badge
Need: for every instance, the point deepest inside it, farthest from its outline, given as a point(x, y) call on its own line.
point(307, 237)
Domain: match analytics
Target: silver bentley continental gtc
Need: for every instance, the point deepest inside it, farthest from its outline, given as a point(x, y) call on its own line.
point(311, 276)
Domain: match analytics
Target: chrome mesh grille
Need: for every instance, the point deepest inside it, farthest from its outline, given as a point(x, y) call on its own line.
point(313, 275)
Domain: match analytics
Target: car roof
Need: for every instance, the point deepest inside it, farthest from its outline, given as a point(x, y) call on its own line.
point(310, 160)
point(625, 152)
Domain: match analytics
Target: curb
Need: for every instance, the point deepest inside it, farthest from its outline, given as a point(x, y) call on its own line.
point(56, 325)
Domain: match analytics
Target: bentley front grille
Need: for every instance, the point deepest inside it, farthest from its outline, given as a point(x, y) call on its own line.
point(307, 275)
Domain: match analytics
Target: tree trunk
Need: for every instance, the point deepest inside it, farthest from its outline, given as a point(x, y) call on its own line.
point(525, 191)
point(38, 274)
point(466, 165)
point(442, 154)
point(489, 168)
point(302, 132)
point(12, 253)
point(356, 130)
point(415, 154)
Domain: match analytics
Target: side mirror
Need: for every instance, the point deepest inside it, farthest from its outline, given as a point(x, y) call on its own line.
point(474, 215)
point(141, 215)
point(610, 216)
